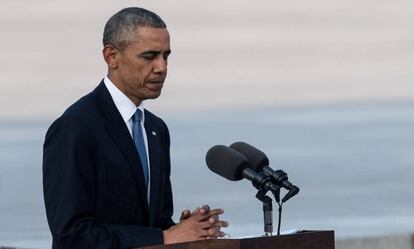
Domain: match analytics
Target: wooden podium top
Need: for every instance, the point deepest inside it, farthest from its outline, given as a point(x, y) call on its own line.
point(302, 240)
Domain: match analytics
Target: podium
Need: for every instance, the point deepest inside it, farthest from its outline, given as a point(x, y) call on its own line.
point(301, 240)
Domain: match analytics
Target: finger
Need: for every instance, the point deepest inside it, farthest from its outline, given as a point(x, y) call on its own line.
point(203, 233)
point(206, 208)
point(185, 214)
point(216, 211)
point(195, 211)
point(211, 237)
point(220, 235)
point(214, 231)
point(202, 211)
point(220, 223)
point(212, 212)
point(205, 224)
point(213, 219)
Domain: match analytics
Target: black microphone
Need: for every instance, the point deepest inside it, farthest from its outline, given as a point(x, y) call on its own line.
point(233, 166)
point(258, 161)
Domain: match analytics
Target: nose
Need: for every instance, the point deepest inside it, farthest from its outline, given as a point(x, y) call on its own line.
point(160, 66)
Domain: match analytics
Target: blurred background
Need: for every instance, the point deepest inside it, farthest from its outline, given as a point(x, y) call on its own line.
point(324, 88)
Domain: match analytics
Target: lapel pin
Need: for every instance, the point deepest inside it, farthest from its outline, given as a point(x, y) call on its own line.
point(154, 133)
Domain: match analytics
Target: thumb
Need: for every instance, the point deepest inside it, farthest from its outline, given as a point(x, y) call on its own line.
point(185, 214)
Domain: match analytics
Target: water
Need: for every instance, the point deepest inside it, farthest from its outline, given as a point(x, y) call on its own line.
point(354, 164)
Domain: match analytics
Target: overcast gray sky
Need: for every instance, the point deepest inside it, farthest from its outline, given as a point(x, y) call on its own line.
point(232, 53)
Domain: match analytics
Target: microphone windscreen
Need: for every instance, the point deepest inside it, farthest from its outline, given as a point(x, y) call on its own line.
point(256, 158)
point(226, 162)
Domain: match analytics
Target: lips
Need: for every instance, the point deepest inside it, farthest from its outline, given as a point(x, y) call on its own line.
point(155, 85)
point(156, 81)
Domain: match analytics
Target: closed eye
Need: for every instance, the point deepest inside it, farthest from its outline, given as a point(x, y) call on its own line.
point(149, 56)
point(166, 54)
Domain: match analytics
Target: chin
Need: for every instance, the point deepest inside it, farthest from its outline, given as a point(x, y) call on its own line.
point(154, 95)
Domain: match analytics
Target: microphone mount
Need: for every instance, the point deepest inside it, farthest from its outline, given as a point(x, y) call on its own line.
point(280, 178)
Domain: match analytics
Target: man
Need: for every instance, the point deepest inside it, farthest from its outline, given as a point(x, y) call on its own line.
point(106, 163)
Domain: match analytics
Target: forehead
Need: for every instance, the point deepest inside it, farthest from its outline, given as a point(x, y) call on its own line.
point(150, 38)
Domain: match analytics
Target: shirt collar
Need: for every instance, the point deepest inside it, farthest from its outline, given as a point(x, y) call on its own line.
point(125, 106)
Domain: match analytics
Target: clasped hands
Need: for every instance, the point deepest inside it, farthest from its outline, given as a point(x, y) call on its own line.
point(200, 224)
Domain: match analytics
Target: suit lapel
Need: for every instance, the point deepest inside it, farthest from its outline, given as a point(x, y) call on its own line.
point(118, 130)
point(154, 156)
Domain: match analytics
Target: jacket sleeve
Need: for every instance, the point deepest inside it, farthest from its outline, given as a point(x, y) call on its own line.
point(69, 193)
point(167, 208)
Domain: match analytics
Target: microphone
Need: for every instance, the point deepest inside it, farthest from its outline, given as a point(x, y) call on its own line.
point(259, 162)
point(233, 166)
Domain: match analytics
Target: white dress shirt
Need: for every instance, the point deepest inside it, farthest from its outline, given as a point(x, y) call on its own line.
point(127, 108)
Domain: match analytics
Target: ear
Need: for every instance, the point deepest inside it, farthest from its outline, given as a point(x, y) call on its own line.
point(110, 55)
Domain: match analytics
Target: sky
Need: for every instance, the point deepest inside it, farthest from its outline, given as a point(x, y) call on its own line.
point(225, 54)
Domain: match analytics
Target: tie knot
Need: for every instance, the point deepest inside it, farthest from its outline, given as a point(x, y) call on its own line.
point(137, 116)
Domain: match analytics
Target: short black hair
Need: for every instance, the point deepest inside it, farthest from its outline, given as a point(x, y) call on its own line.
point(120, 26)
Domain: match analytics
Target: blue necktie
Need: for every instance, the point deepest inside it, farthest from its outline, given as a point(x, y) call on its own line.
point(139, 143)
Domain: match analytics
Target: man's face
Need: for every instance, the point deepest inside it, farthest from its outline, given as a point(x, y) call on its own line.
point(141, 67)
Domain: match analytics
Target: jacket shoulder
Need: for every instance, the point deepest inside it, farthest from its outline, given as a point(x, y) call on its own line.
point(81, 113)
point(84, 107)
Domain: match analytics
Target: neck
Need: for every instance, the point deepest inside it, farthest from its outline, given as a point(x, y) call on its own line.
point(123, 89)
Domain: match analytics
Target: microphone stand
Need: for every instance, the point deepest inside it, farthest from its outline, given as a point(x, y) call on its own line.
point(276, 194)
point(260, 184)
point(267, 212)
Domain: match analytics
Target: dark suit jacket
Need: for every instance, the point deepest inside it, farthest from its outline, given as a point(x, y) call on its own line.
point(93, 182)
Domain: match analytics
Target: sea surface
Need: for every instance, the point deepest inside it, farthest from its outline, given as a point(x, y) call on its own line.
point(354, 164)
